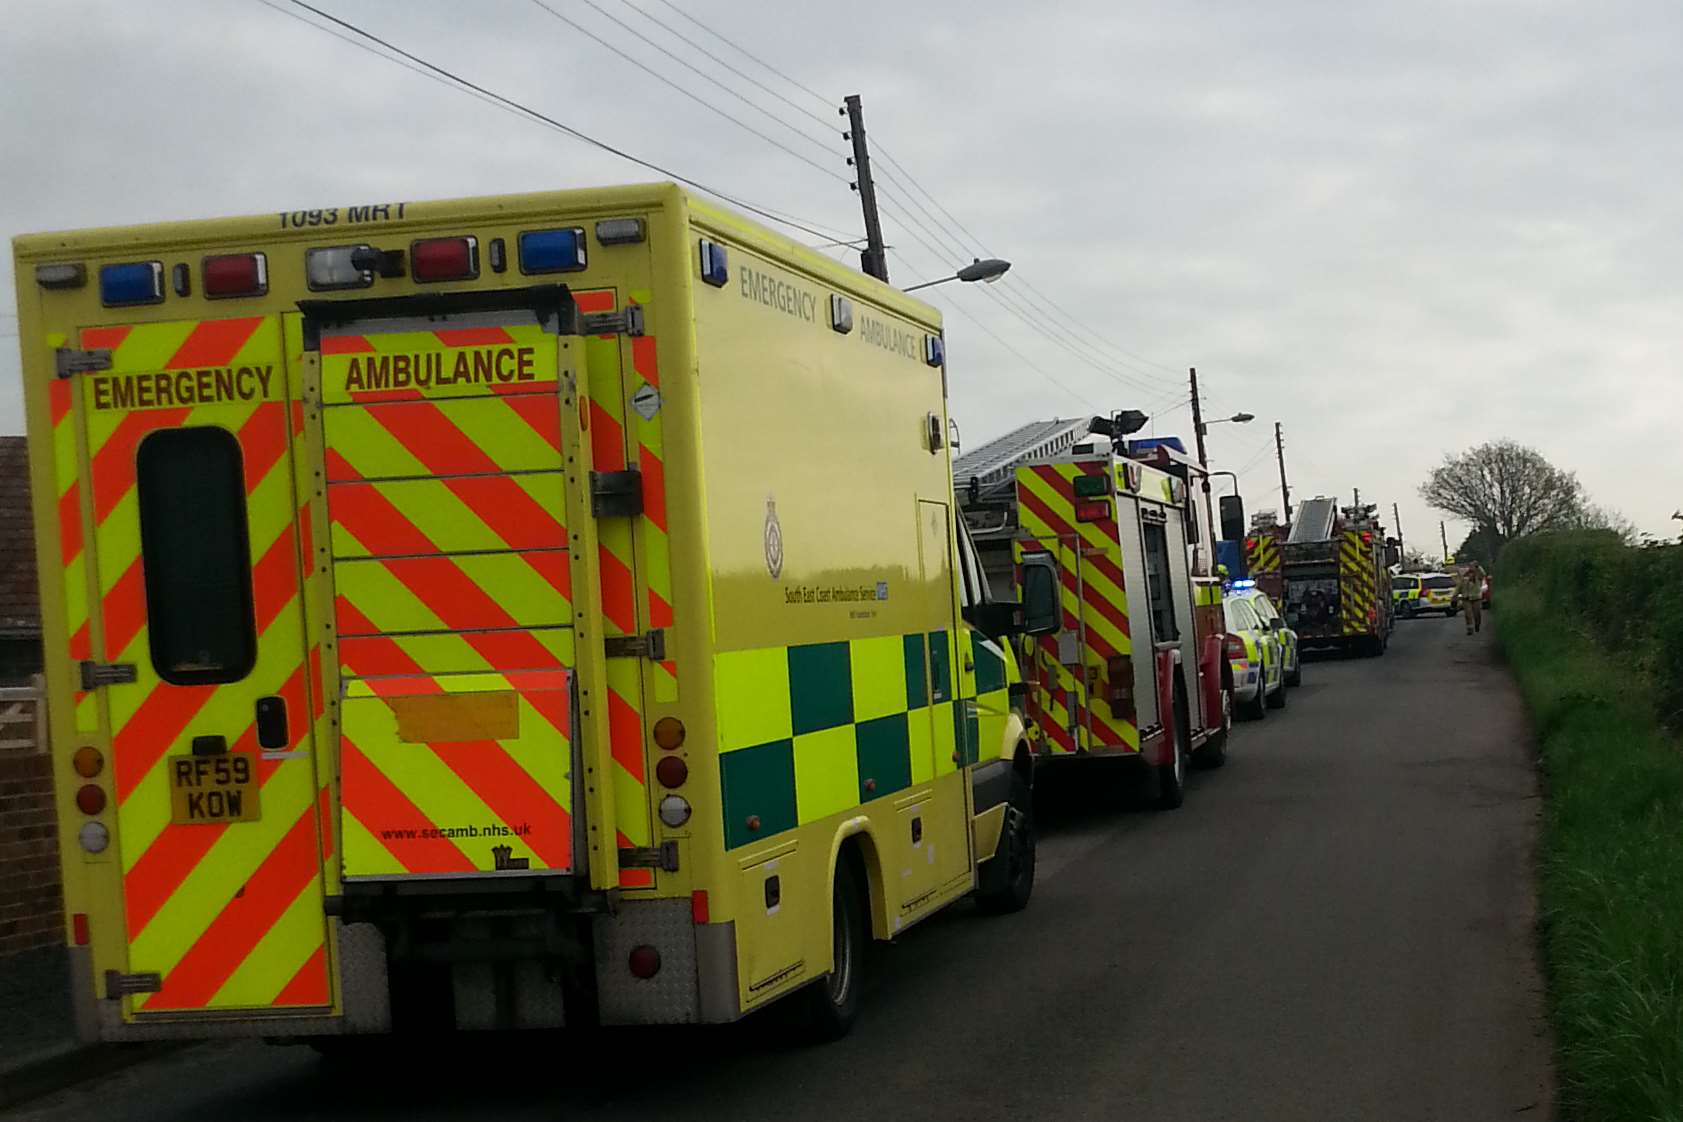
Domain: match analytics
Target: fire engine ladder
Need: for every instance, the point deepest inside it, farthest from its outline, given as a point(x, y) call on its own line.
point(1314, 520)
point(987, 477)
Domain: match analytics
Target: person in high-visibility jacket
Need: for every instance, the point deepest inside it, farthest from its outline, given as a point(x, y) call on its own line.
point(1471, 591)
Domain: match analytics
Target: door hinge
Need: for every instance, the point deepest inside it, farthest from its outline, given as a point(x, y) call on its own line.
point(96, 674)
point(118, 984)
point(622, 321)
point(663, 857)
point(616, 494)
point(650, 646)
point(68, 361)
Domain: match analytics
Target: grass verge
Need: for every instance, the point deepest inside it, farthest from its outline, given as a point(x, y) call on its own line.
point(1611, 869)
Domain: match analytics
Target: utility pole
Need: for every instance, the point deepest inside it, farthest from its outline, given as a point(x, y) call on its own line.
point(1203, 462)
point(1285, 492)
point(874, 260)
point(1444, 538)
point(1198, 424)
point(1397, 518)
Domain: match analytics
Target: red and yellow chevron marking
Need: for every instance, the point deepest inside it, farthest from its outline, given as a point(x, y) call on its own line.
point(604, 415)
point(452, 580)
point(414, 804)
point(1358, 594)
point(68, 479)
point(1090, 570)
point(229, 915)
point(655, 549)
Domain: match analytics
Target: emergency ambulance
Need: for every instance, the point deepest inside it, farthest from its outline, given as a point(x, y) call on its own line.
point(534, 611)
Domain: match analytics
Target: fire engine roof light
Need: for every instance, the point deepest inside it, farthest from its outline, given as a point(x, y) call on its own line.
point(619, 231)
point(138, 282)
point(236, 274)
point(552, 251)
point(715, 267)
point(336, 266)
point(444, 259)
point(61, 276)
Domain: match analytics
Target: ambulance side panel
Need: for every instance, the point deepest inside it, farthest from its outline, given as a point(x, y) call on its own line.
point(844, 707)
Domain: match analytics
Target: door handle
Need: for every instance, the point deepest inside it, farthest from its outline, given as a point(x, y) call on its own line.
point(271, 723)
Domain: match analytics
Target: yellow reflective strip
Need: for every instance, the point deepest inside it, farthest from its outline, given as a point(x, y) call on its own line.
point(499, 432)
point(367, 445)
point(751, 691)
point(364, 854)
point(826, 773)
point(278, 956)
point(212, 883)
point(149, 346)
point(879, 677)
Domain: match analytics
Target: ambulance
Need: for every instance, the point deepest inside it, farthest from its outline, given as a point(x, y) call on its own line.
point(522, 612)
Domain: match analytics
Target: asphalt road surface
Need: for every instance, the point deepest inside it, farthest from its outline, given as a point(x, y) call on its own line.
point(1337, 925)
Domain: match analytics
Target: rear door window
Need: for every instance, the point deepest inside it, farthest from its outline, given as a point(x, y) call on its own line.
point(195, 555)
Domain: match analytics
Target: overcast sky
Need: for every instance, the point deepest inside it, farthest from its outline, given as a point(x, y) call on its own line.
point(1398, 229)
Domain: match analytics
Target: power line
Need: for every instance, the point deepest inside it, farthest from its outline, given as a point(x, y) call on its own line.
point(744, 51)
point(829, 126)
point(544, 118)
point(698, 99)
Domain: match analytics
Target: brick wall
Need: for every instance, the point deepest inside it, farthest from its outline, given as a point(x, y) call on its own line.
point(30, 914)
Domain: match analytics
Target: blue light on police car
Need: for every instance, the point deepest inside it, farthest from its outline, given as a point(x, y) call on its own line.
point(934, 350)
point(715, 270)
point(1241, 585)
point(552, 251)
point(138, 282)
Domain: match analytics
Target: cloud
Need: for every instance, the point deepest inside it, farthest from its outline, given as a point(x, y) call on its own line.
point(1397, 229)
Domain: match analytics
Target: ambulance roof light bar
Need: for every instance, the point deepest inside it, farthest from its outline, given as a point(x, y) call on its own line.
point(136, 282)
point(444, 259)
point(230, 275)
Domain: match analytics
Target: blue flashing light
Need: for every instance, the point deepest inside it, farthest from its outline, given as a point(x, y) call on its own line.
point(715, 270)
point(1241, 585)
point(934, 350)
point(139, 282)
point(552, 251)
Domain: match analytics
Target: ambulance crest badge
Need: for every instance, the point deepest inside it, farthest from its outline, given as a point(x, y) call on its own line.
point(774, 540)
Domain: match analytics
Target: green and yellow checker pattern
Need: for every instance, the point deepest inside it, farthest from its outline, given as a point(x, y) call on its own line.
point(809, 731)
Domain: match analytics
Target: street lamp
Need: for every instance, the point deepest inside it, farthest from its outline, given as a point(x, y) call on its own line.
point(1237, 419)
point(988, 271)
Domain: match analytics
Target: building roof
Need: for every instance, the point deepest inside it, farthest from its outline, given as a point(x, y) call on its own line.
point(20, 601)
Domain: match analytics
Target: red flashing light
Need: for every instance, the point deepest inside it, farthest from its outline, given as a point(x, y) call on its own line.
point(1092, 510)
point(90, 799)
point(236, 274)
point(699, 910)
point(79, 929)
point(444, 259)
point(1367, 537)
point(672, 771)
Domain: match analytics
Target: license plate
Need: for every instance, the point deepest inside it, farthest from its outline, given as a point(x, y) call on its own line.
point(210, 790)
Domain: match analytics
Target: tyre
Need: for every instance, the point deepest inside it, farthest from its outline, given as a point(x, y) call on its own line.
point(826, 1010)
point(1278, 699)
point(1171, 777)
point(1008, 877)
point(1295, 678)
point(1255, 709)
point(1214, 752)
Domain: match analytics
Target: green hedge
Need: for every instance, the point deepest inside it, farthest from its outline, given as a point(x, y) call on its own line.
point(1583, 620)
point(1628, 599)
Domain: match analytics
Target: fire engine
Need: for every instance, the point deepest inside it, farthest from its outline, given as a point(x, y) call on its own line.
point(1122, 529)
point(1336, 579)
point(515, 612)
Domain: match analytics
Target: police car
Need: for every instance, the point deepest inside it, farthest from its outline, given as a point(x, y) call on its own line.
point(1405, 594)
point(1437, 594)
point(1262, 651)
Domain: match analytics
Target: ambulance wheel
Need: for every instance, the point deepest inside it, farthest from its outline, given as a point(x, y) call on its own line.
point(1171, 777)
point(1008, 877)
point(830, 1005)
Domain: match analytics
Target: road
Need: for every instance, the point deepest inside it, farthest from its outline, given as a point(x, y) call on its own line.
point(1337, 925)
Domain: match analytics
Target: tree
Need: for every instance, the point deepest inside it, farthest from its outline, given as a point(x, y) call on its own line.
point(1506, 490)
point(1480, 546)
point(1416, 562)
point(1594, 516)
